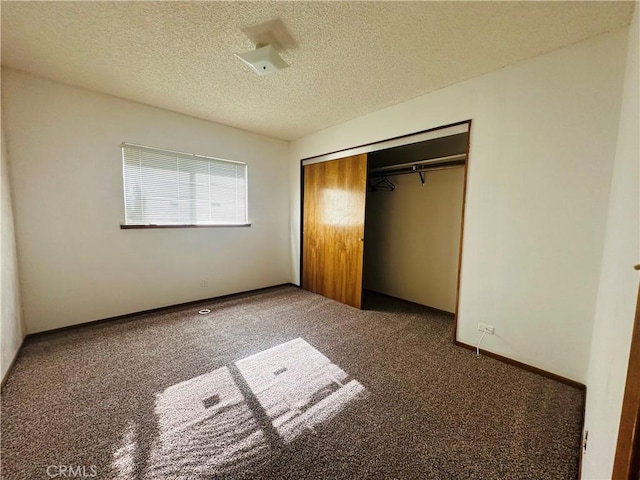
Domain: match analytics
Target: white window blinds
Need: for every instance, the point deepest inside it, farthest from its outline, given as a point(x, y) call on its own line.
point(162, 187)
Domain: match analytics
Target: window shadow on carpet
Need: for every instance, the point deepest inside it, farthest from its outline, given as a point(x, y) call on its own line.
point(241, 415)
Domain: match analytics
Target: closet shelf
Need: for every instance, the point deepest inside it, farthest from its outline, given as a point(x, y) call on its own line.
point(449, 161)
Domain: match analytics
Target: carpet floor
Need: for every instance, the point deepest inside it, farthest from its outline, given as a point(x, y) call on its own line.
point(281, 384)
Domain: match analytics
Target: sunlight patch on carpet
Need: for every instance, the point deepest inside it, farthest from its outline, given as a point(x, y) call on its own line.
point(124, 457)
point(240, 415)
point(298, 387)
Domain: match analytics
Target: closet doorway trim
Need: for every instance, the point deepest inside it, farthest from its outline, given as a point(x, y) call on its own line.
point(439, 132)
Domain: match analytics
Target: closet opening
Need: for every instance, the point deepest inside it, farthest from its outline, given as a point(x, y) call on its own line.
point(386, 218)
point(413, 222)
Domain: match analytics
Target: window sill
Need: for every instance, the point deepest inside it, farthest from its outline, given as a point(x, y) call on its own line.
point(130, 227)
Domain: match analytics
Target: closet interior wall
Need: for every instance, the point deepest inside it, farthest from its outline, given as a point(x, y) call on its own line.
point(412, 232)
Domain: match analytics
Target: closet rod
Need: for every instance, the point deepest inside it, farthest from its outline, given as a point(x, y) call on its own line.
point(404, 171)
point(429, 161)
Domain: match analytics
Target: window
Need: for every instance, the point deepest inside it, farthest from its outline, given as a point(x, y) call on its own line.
point(165, 188)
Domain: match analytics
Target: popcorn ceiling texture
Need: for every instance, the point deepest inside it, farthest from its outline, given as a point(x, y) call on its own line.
point(352, 58)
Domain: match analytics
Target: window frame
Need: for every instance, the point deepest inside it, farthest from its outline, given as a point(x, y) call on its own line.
point(128, 226)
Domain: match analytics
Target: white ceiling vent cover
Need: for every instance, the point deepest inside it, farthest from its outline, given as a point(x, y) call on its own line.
point(263, 60)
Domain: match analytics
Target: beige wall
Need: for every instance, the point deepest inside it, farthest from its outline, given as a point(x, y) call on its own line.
point(413, 238)
point(76, 263)
point(543, 141)
point(11, 328)
point(618, 283)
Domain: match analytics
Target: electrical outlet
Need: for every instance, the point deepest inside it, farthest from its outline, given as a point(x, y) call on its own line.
point(483, 327)
point(203, 283)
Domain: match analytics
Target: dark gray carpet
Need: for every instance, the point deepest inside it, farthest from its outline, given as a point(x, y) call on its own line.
point(323, 391)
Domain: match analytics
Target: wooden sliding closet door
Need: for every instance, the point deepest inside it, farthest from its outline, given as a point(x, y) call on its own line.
point(333, 228)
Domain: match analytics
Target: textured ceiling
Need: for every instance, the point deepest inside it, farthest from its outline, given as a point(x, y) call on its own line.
point(347, 58)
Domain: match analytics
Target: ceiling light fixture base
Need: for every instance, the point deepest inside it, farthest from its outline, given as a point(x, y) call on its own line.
point(263, 60)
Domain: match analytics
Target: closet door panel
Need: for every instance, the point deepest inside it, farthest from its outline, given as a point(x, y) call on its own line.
point(333, 228)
